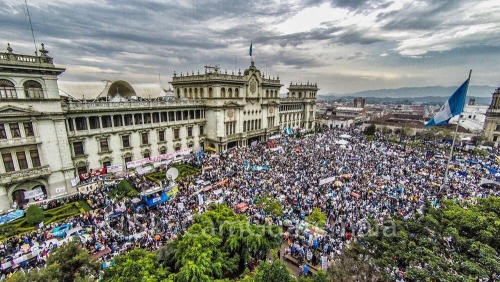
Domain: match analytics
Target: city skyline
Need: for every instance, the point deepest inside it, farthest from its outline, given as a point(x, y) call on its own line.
point(344, 46)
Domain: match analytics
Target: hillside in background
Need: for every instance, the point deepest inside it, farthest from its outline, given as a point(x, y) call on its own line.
point(415, 94)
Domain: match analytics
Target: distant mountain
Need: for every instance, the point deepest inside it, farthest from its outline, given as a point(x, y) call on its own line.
point(415, 92)
point(434, 100)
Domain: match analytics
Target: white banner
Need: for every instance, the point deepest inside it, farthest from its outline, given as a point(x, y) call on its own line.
point(324, 262)
point(276, 149)
point(137, 163)
point(326, 180)
point(143, 170)
point(114, 168)
point(75, 181)
point(37, 192)
point(200, 199)
point(134, 164)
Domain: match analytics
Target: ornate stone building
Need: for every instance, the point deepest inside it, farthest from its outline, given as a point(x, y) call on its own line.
point(52, 132)
point(34, 147)
point(492, 122)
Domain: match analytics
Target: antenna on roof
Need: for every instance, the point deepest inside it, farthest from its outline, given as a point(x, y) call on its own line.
point(31, 26)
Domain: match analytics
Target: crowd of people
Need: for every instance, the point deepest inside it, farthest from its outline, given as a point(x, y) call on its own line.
point(350, 182)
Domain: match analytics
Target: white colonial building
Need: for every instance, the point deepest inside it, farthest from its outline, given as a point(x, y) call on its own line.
point(52, 132)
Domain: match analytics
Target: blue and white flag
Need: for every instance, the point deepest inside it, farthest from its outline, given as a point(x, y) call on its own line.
point(451, 108)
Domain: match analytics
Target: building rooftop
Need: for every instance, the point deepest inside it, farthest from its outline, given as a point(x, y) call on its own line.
point(117, 90)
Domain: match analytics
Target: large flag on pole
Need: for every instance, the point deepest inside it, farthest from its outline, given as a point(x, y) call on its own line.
point(250, 52)
point(451, 108)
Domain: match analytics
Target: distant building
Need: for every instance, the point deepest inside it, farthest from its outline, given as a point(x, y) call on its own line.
point(414, 122)
point(472, 118)
point(492, 122)
point(359, 102)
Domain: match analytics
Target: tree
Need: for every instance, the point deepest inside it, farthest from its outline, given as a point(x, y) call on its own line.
point(370, 130)
point(453, 243)
point(275, 271)
point(270, 205)
point(316, 218)
point(34, 215)
point(218, 245)
point(136, 265)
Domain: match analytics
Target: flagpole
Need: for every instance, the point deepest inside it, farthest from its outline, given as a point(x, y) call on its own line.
point(445, 179)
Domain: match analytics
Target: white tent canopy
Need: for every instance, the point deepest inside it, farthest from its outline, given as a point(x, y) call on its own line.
point(345, 136)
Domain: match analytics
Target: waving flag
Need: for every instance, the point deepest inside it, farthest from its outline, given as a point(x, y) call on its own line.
point(451, 108)
point(250, 52)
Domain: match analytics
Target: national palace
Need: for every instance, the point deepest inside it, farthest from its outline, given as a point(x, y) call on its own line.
point(53, 133)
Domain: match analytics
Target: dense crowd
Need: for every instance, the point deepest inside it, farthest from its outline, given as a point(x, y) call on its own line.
point(349, 183)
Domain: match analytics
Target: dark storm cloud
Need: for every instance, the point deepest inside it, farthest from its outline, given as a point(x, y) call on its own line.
point(423, 17)
point(351, 4)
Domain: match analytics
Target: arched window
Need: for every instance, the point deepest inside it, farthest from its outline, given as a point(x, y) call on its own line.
point(267, 93)
point(33, 89)
point(276, 93)
point(230, 92)
point(185, 93)
point(190, 93)
point(210, 93)
point(236, 93)
point(178, 93)
point(223, 92)
point(201, 93)
point(7, 89)
point(196, 93)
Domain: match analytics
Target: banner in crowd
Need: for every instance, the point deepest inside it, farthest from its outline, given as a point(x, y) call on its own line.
point(222, 182)
point(276, 149)
point(324, 262)
point(200, 199)
point(208, 148)
point(97, 172)
point(75, 181)
point(11, 216)
point(134, 164)
point(277, 136)
point(259, 168)
point(114, 168)
point(326, 180)
point(143, 170)
point(37, 192)
point(172, 191)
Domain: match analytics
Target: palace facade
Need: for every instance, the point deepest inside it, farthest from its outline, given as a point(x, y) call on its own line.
point(52, 132)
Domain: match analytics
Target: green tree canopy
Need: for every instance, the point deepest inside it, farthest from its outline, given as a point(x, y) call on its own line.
point(270, 205)
point(136, 265)
point(316, 218)
point(34, 215)
point(275, 271)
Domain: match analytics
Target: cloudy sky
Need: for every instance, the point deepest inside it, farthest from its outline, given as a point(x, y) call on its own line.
point(343, 45)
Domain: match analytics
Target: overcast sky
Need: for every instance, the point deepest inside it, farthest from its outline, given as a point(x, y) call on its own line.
point(343, 45)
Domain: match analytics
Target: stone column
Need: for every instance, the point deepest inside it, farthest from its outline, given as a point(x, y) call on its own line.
point(88, 124)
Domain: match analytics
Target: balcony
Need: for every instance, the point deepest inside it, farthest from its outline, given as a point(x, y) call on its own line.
point(26, 60)
point(19, 142)
point(73, 106)
point(23, 175)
